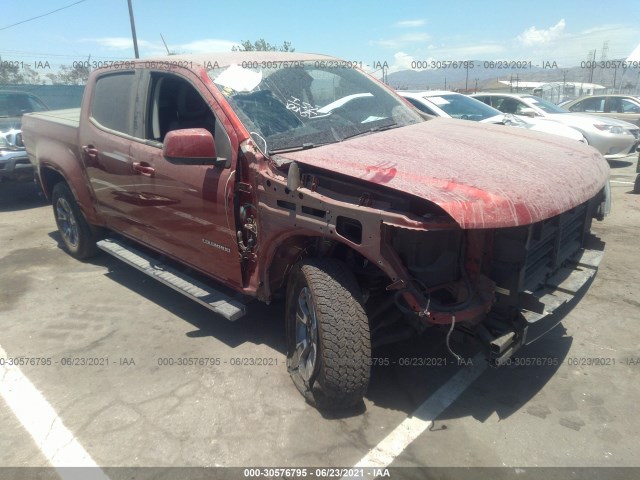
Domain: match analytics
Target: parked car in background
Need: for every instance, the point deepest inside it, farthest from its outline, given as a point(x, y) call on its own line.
point(14, 162)
point(611, 137)
point(15, 104)
point(636, 185)
point(622, 107)
point(442, 103)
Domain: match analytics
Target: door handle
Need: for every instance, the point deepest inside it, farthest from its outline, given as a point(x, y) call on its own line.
point(143, 168)
point(90, 151)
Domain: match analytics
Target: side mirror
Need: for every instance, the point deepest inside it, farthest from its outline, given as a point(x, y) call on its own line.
point(528, 111)
point(192, 146)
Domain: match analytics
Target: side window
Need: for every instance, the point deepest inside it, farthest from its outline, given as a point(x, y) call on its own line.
point(420, 106)
point(175, 104)
point(508, 104)
point(628, 106)
point(591, 105)
point(113, 100)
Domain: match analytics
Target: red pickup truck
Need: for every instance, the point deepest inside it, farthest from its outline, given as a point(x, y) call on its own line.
point(295, 175)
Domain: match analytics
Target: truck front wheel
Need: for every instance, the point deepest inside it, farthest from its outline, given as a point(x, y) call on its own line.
point(328, 340)
point(76, 233)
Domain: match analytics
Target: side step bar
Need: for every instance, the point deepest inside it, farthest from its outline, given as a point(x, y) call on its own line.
point(229, 308)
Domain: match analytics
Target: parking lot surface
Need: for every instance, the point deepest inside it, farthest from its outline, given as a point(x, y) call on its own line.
point(140, 376)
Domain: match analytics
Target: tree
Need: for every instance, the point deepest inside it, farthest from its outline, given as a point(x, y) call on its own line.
point(262, 46)
point(67, 75)
point(17, 73)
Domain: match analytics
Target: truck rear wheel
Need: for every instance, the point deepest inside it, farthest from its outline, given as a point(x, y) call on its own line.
point(76, 233)
point(328, 340)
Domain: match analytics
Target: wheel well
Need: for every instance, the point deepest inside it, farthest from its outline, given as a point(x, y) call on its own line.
point(48, 179)
point(296, 248)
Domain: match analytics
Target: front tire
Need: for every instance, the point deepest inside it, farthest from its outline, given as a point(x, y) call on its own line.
point(328, 339)
point(76, 233)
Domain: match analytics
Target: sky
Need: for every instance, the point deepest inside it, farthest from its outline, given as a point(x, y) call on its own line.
point(398, 33)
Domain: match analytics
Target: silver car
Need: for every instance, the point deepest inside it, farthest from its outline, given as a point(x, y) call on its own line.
point(622, 107)
point(14, 162)
point(447, 104)
point(613, 138)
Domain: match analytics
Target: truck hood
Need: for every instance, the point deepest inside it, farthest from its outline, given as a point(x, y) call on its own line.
point(483, 176)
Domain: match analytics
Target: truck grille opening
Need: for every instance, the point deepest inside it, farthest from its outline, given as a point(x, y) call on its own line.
point(524, 258)
point(552, 243)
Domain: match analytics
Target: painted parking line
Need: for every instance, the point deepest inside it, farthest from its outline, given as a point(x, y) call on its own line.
point(423, 417)
point(37, 416)
point(620, 181)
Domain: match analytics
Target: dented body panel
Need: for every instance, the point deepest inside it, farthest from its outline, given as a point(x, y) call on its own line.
point(442, 222)
point(516, 179)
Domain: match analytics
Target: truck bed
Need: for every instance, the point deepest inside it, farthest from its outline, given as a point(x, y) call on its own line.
point(69, 117)
point(52, 137)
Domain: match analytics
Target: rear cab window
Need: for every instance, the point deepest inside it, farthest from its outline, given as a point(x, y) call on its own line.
point(113, 103)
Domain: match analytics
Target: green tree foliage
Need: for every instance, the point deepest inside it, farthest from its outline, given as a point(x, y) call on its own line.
point(262, 45)
point(67, 75)
point(14, 73)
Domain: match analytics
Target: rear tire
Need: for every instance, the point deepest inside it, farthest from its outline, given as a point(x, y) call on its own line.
point(328, 339)
point(77, 235)
point(636, 185)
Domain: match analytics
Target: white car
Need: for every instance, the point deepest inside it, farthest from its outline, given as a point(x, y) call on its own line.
point(455, 105)
point(613, 138)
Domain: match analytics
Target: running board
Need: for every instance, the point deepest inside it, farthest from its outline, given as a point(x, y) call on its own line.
point(207, 296)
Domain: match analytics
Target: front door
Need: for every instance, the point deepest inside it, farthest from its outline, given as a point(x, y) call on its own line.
point(191, 206)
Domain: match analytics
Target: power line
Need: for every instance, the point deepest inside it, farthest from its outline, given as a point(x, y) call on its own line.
point(40, 16)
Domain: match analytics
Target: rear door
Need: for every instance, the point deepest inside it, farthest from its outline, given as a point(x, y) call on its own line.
point(106, 140)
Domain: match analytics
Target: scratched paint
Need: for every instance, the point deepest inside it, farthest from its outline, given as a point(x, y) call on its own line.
point(484, 176)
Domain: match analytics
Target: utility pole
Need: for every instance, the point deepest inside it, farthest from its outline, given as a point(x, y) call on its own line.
point(466, 82)
point(133, 31)
point(165, 45)
point(593, 65)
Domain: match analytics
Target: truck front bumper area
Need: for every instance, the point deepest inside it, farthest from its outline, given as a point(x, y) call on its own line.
point(543, 309)
point(15, 166)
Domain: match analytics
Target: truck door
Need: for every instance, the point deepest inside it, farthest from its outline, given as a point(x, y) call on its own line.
point(189, 209)
point(107, 133)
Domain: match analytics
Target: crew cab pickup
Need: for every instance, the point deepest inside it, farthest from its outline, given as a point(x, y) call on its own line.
point(288, 174)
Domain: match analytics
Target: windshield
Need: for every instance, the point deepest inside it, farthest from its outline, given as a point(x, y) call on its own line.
point(308, 104)
point(460, 106)
point(545, 105)
point(17, 104)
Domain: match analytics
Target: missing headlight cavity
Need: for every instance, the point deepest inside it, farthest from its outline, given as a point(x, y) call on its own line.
point(349, 228)
point(432, 257)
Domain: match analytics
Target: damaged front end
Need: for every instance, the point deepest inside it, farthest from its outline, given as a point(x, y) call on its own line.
point(418, 268)
point(504, 286)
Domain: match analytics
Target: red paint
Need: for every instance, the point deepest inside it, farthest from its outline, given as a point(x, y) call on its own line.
point(512, 179)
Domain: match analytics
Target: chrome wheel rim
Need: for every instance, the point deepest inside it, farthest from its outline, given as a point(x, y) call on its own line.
point(67, 222)
point(306, 351)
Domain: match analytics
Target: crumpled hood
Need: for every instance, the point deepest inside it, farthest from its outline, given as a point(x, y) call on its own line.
point(483, 176)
